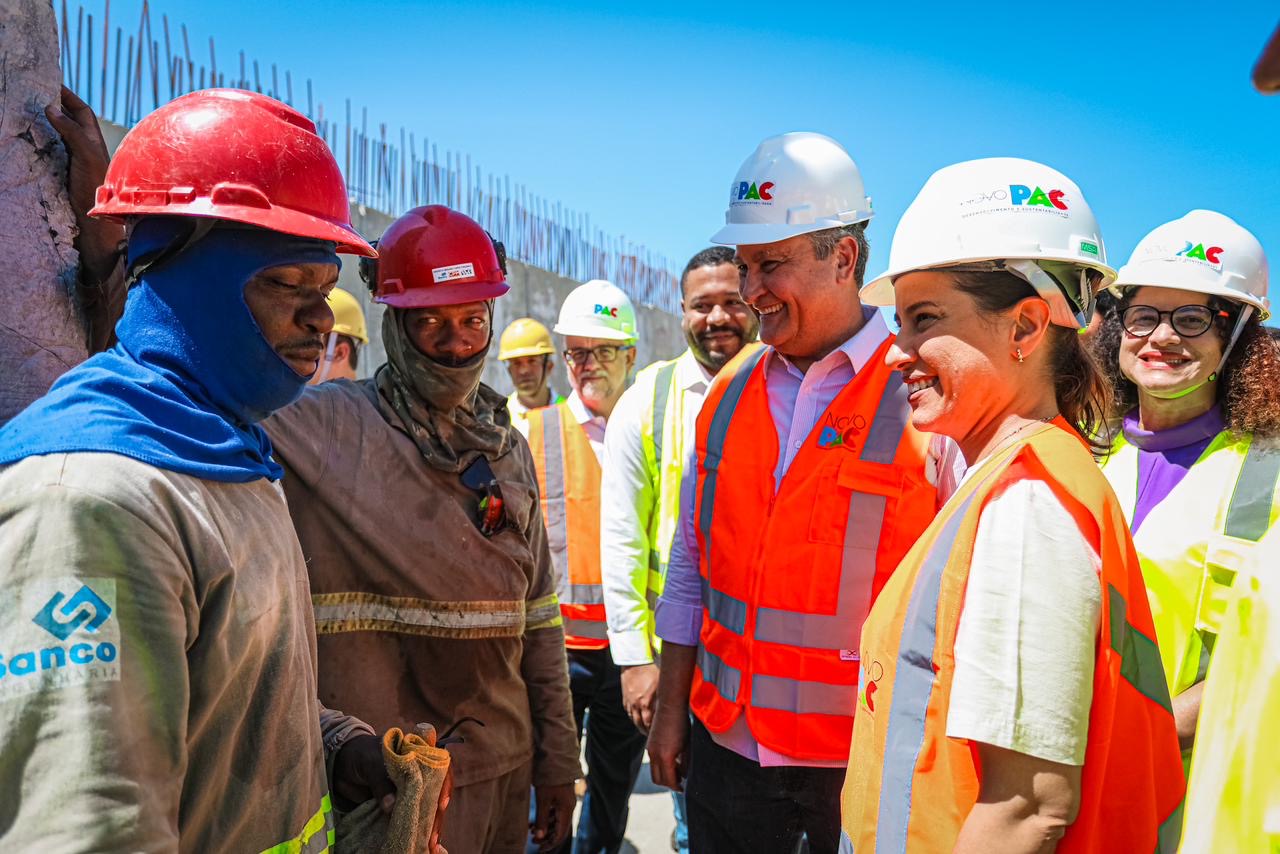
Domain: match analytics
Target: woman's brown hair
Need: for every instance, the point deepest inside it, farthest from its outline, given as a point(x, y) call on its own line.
point(1248, 389)
point(1080, 387)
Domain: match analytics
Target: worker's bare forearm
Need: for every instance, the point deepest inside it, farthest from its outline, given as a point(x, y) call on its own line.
point(675, 680)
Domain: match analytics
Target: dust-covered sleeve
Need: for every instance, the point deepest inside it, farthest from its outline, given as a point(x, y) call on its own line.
point(302, 433)
point(544, 666)
point(96, 615)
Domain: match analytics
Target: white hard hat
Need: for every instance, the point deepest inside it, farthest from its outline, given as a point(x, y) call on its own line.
point(597, 309)
point(1204, 252)
point(793, 184)
point(1014, 214)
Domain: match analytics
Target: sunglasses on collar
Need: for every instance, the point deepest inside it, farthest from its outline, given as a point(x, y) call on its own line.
point(492, 510)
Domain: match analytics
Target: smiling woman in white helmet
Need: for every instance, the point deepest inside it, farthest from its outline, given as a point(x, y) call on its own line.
point(1196, 464)
point(1012, 646)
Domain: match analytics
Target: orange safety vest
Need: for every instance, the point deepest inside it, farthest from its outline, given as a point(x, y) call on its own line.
point(909, 787)
point(569, 483)
point(788, 575)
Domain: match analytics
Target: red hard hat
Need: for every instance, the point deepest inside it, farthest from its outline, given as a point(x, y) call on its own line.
point(234, 155)
point(437, 256)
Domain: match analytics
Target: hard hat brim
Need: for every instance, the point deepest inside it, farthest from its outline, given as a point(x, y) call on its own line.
point(756, 233)
point(343, 329)
point(587, 330)
point(283, 220)
point(1123, 283)
point(456, 294)
point(522, 352)
point(879, 291)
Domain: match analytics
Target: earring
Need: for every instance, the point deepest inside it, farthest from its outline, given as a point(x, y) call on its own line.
point(1019, 351)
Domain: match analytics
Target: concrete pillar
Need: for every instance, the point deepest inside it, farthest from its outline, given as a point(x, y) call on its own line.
point(41, 334)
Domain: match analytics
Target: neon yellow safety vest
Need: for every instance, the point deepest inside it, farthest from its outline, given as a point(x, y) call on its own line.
point(1233, 800)
point(664, 445)
point(1194, 542)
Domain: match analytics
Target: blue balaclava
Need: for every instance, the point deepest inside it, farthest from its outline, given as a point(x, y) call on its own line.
point(192, 372)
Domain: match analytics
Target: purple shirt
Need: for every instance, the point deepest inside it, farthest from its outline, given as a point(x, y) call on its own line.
point(1165, 456)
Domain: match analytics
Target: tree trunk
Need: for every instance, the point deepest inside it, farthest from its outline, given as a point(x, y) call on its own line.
point(41, 333)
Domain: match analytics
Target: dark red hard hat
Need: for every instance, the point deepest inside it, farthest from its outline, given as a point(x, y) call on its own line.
point(437, 256)
point(234, 155)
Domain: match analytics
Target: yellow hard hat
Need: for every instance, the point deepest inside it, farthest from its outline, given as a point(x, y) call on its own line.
point(348, 316)
point(524, 337)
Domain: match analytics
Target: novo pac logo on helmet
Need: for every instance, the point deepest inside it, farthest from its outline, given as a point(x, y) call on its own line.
point(751, 191)
point(1021, 194)
point(608, 311)
point(1211, 255)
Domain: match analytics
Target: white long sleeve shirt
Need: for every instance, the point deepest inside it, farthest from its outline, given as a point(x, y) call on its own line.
point(628, 500)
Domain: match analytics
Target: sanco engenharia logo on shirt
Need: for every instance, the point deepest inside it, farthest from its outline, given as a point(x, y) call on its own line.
point(58, 632)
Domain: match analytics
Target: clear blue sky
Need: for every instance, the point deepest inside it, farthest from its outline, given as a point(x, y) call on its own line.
point(640, 114)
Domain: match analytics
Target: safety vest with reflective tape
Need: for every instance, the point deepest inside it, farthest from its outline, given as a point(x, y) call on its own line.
point(909, 787)
point(317, 835)
point(1233, 799)
point(569, 485)
point(1194, 542)
point(788, 575)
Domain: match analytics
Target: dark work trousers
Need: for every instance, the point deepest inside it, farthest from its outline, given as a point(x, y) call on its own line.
point(735, 806)
point(614, 751)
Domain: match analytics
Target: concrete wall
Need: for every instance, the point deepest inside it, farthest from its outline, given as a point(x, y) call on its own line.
point(534, 293)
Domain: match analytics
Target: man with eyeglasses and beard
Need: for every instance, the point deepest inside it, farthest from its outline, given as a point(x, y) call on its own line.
point(416, 506)
point(649, 435)
point(598, 327)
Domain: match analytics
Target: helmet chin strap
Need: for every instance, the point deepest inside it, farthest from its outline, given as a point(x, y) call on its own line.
point(326, 364)
point(1245, 313)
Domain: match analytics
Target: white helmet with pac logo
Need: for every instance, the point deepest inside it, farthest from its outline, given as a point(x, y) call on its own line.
point(1204, 252)
point(597, 309)
point(795, 183)
point(1004, 213)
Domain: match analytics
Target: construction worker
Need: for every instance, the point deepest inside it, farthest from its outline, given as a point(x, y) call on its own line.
point(806, 485)
point(1233, 794)
point(597, 324)
point(1196, 464)
point(342, 344)
point(526, 349)
point(415, 502)
point(1010, 686)
point(158, 673)
point(645, 447)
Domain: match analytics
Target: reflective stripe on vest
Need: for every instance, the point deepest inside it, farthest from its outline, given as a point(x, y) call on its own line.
point(661, 395)
point(715, 442)
point(1249, 515)
point(569, 477)
point(316, 837)
point(912, 689)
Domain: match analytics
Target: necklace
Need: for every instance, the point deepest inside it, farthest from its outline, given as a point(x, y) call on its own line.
point(1018, 430)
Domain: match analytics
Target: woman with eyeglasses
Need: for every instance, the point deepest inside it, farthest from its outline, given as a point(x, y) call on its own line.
point(1195, 461)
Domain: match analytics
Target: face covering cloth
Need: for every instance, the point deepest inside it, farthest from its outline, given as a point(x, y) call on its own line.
point(444, 409)
point(192, 372)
